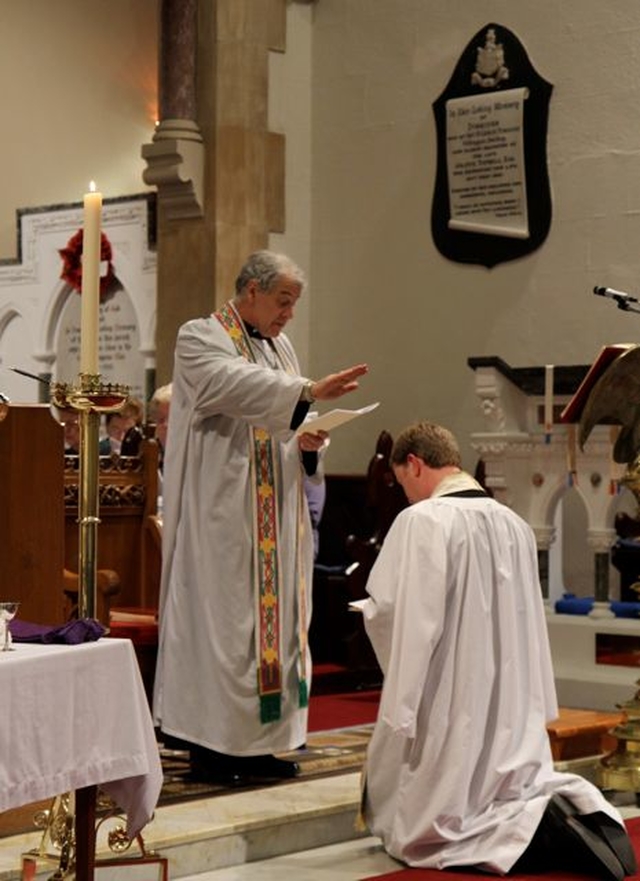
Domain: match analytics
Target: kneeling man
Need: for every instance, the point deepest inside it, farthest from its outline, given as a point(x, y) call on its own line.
point(459, 770)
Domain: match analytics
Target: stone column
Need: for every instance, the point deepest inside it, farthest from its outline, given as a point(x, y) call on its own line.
point(601, 540)
point(545, 536)
point(177, 66)
point(218, 169)
point(175, 159)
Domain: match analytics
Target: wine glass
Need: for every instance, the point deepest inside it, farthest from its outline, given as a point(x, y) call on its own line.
point(7, 613)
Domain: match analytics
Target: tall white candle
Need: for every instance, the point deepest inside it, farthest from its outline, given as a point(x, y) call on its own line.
point(90, 300)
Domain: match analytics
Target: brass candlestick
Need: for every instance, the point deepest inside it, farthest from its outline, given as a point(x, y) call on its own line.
point(90, 397)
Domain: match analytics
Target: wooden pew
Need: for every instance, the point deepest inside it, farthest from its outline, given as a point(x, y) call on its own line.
point(358, 512)
point(128, 499)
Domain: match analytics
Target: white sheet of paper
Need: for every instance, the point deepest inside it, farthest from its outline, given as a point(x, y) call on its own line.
point(332, 419)
point(357, 605)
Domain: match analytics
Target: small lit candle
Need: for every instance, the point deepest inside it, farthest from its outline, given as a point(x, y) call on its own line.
point(548, 401)
point(90, 300)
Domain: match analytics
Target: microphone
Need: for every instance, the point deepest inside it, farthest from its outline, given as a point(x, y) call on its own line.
point(29, 375)
point(620, 296)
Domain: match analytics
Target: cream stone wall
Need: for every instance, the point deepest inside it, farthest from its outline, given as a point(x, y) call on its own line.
point(79, 93)
point(290, 111)
point(380, 290)
point(352, 95)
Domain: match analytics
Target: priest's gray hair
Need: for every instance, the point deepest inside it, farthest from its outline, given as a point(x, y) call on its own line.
point(434, 444)
point(266, 267)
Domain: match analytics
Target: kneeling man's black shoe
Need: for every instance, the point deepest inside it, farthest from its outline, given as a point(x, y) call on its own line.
point(576, 844)
point(615, 836)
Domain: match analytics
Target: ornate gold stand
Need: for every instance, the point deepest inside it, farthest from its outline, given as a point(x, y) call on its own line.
point(90, 397)
point(621, 769)
point(57, 848)
point(631, 479)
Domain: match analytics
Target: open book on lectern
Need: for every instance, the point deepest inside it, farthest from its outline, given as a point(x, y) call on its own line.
point(326, 421)
point(606, 356)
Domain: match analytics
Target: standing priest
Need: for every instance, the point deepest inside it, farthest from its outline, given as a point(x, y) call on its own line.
point(234, 668)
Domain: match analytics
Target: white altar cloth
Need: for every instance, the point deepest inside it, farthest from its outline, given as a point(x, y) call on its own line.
point(73, 717)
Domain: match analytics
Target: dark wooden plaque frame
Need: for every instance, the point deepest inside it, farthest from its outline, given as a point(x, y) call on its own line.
point(489, 249)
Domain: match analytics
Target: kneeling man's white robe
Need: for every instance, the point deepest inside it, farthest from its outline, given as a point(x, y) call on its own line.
point(459, 769)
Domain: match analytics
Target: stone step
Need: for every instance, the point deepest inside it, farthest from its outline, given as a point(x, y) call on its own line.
point(225, 830)
point(231, 828)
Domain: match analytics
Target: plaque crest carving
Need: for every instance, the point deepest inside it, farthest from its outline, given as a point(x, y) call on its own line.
point(490, 67)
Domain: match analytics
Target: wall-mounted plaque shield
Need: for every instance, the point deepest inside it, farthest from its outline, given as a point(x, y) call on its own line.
point(492, 197)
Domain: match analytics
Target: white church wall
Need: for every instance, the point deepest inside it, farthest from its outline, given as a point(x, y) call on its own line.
point(381, 291)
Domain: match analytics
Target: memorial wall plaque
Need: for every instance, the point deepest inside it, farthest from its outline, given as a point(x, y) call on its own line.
point(492, 196)
point(120, 359)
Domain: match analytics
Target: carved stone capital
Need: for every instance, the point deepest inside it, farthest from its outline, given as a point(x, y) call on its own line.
point(545, 536)
point(175, 165)
point(601, 540)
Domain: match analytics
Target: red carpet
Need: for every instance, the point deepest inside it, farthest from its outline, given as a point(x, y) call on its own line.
point(328, 711)
point(633, 827)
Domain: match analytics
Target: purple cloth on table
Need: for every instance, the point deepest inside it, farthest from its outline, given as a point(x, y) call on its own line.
point(72, 633)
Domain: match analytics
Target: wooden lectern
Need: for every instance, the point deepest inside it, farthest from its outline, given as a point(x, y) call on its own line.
point(32, 511)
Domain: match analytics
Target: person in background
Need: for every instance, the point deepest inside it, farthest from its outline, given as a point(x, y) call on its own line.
point(70, 420)
point(158, 414)
point(315, 489)
point(121, 424)
point(459, 770)
point(233, 672)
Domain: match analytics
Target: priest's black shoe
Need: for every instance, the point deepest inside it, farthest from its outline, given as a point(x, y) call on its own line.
point(564, 841)
point(209, 766)
point(270, 768)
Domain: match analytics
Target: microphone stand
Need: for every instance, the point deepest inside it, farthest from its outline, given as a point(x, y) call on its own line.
point(623, 301)
point(625, 305)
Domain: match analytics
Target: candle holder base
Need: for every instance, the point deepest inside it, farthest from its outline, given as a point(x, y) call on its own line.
point(90, 393)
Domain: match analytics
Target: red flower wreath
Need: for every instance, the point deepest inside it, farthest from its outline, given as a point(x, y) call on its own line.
point(72, 266)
